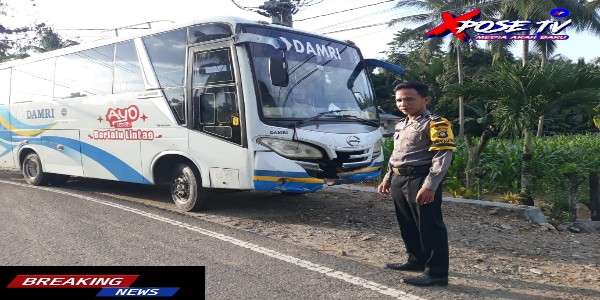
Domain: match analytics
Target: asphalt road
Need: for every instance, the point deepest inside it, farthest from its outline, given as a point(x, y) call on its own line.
point(66, 226)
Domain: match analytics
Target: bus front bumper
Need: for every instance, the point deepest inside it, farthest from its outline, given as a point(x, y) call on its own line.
point(275, 173)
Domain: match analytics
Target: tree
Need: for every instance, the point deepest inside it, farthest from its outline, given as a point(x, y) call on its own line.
point(46, 39)
point(8, 39)
point(16, 43)
point(584, 16)
point(524, 92)
point(429, 17)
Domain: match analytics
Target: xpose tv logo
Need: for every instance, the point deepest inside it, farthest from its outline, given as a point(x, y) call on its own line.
point(461, 25)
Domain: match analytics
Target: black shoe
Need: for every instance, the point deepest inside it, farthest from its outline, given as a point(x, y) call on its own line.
point(405, 267)
point(426, 280)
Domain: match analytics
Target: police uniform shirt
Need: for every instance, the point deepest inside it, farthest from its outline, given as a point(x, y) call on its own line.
point(427, 139)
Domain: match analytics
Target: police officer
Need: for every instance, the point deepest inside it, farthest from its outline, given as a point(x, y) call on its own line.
point(423, 145)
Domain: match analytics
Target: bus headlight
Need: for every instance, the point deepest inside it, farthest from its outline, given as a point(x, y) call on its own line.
point(291, 149)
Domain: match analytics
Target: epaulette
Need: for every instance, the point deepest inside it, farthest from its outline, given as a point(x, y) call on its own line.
point(434, 117)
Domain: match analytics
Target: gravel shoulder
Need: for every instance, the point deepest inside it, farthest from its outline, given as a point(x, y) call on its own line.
point(493, 253)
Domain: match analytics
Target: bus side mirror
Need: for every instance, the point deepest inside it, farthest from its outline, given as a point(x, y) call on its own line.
point(398, 70)
point(278, 69)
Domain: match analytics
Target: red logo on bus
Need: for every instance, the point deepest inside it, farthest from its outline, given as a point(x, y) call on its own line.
point(123, 117)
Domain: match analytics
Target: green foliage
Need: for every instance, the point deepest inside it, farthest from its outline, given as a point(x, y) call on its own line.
point(503, 98)
point(501, 166)
point(388, 147)
point(555, 158)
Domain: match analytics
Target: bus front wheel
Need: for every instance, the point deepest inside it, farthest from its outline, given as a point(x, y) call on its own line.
point(32, 170)
point(186, 189)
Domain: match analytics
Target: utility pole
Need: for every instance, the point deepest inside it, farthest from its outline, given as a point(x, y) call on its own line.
point(280, 11)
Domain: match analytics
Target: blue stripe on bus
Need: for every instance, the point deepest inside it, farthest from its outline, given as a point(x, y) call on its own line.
point(377, 164)
point(5, 135)
point(118, 168)
point(360, 177)
point(114, 165)
point(280, 174)
point(297, 187)
point(7, 147)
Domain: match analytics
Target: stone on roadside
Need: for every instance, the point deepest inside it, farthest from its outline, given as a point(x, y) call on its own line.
point(367, 237)
point(548, 226)
point(574, 229)
point(343, 253)
point(588, 226)
point(536, 271)
point(563, 227)
point(493, 211)
point(583, 212)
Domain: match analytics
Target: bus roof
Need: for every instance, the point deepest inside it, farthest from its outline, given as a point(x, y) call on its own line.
point(233, 21)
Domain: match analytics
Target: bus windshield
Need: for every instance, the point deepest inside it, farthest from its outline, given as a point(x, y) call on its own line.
point(318, 70)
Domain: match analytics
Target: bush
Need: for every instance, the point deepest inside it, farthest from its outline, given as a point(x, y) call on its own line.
point(555, 160)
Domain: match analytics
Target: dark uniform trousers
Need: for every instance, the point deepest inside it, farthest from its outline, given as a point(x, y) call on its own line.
point(422, 226)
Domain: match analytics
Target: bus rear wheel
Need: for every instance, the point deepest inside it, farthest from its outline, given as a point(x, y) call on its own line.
point(32, 170)
point(186, 189)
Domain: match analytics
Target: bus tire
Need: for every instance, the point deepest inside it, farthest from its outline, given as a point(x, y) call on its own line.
point(186, 189)
point(32, 170)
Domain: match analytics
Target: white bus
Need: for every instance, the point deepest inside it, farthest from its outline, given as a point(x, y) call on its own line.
point(223, 104)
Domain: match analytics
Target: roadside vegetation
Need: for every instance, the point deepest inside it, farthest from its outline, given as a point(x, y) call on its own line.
point(527, 128)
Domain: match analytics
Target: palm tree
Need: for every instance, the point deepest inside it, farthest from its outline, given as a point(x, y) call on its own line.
point(429, 16)
point(584, 17)
point(524, 92)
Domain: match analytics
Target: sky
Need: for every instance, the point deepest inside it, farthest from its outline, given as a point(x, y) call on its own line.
point(64, 15)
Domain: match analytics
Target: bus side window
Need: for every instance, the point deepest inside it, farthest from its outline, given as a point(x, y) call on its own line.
point(212, 67)
point(208, 32)
point(85, 73)
point(33, 82)
point(128, 74)
point(167, 54)
point(215, 108)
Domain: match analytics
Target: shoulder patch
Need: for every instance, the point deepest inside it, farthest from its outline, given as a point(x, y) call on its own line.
point(441, 135)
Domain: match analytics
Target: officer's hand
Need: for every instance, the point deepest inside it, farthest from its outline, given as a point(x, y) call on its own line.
point(425, 196)
point(384, 188)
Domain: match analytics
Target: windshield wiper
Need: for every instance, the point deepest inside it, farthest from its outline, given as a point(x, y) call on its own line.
point(365, 121)
point(331, 114)
point(319, 115)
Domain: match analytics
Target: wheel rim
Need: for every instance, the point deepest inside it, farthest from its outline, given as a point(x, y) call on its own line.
point(31, 168)
point(180, 188)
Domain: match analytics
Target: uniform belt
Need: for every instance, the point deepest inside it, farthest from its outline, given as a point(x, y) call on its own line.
point(411, 170)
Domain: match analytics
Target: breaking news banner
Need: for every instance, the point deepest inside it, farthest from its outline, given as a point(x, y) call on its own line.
point(102, 282)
